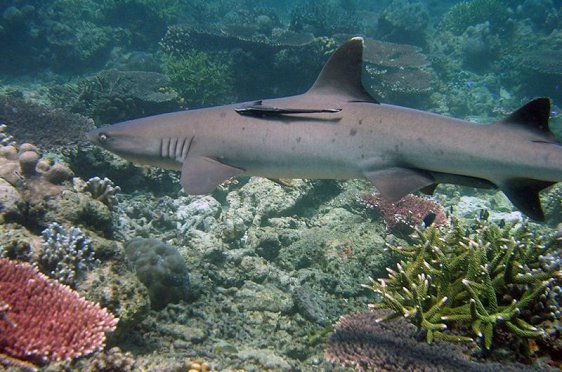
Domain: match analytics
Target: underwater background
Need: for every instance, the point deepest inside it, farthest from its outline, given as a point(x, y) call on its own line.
point(265, 274)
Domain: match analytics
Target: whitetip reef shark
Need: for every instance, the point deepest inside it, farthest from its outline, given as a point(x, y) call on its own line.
point(336, 130)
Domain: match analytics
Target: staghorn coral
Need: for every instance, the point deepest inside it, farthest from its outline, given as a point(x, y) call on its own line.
point(103, 190)
point(43, 321)
point(65, 253)
point(486, 275)
point(402, 217)
point(362, 342)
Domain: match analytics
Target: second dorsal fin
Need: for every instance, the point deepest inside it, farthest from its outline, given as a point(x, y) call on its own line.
point(533, 118)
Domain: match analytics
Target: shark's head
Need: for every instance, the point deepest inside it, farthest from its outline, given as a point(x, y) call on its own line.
point(141, 141)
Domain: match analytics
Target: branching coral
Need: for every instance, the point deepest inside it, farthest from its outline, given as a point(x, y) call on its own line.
point(486, 275)
point(65, 253)
point(42, 320)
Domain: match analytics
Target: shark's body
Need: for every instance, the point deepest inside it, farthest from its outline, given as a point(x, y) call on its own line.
point(338, 131)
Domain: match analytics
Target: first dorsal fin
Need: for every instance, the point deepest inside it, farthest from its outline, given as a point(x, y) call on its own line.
point(341, 75)
point(533, 117)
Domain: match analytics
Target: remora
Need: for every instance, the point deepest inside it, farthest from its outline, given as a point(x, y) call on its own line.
point(336, 130)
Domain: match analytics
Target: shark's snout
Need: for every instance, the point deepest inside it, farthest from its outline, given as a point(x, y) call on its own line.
point(93, 136)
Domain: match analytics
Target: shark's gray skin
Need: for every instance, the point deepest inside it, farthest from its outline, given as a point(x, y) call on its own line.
point(336, 130)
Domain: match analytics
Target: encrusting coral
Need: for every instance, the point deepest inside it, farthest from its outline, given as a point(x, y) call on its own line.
point(487, 275)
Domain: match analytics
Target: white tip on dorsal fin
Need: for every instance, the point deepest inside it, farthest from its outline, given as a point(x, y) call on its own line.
point(341, 75)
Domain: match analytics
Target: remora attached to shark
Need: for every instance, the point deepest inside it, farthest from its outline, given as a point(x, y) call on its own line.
point(336, 130)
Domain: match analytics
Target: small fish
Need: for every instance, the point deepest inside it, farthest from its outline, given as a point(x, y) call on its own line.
point(429, 219)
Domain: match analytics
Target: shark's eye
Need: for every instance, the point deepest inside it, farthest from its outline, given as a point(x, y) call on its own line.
point(102, 137)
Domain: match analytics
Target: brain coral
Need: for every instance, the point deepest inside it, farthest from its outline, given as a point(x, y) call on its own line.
point(161, 269)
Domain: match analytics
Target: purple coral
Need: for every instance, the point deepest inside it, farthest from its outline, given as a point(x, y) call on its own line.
point(362, 342)
point(407, 213)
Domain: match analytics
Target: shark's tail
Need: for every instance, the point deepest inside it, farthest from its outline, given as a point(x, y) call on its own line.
point(524, 192)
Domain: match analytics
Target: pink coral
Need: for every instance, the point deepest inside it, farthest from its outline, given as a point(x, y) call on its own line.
point(407, 213)
point(42, 320)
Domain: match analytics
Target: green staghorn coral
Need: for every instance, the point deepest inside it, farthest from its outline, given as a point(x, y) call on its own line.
point(486, 275)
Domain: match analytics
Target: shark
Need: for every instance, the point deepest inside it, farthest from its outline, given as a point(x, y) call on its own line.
point(337, 130)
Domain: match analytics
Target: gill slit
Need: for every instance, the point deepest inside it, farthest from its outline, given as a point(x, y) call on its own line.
point(188, 148)
point(172, 149)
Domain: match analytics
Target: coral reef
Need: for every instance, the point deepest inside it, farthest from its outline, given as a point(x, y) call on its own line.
point(199, 78)
point(487, 275)
point(362, 342)
point(113, 95)
point(65, 254)
point(44, 321)
point(401, 218)
point(397, 73)
point(403, 21)
point(161, 269)
point(36, 192)
point(471, 13)
point(49, 129)
point(268, 59)
point(116, 288)
point(113, 359)
point(324, 18)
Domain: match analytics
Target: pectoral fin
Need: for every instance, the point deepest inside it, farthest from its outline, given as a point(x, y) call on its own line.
point(201, 175)
point(395, 183)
